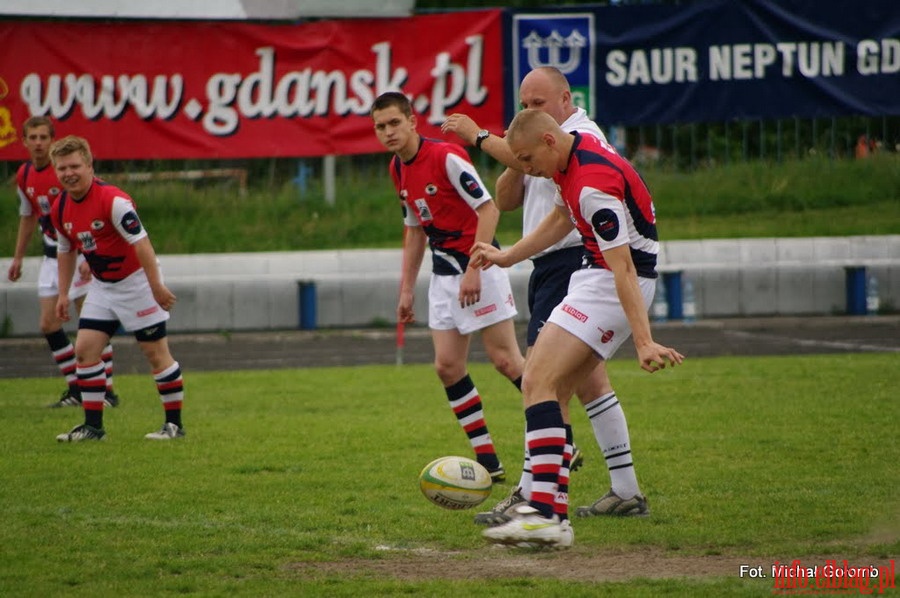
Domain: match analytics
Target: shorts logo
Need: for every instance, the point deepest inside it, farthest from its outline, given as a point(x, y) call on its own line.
point(97, 225)
point(606, 224)
point(147, 312)
point(606, 335)
point(87, 241)
point(468, 182)
point(574, 312)
point(131, 223)
point(431, 189)
point(483, 311)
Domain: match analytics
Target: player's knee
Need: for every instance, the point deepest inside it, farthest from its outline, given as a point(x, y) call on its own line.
point(448, 372)
point(594, 386)
point(49, 325)
point(508, 365)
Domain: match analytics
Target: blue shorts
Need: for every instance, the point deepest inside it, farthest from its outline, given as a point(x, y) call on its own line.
point(548, 284)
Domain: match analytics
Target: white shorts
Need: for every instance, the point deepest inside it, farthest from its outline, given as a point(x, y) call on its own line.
point(496, 304)
point(48, 279)
point(592, 312)
point(130, 301)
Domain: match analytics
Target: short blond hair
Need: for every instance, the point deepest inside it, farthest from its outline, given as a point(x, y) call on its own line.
point(528, 126)
point(70, 145)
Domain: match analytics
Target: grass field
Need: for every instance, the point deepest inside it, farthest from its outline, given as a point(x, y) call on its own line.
point(303, 482)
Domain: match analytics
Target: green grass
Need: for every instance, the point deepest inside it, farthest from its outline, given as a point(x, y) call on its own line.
point(813, 197)
point(292, 482)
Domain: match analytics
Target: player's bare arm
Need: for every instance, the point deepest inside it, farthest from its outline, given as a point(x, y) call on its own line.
point(494, 145)
point(470, 284)
point(510, 190)
point(147, 258)
point(65, 262)
point(27, 224)
point(555, 225)
point(651, 355)
point(413, 252)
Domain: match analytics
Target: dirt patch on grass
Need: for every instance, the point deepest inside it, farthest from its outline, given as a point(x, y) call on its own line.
point(583, 564)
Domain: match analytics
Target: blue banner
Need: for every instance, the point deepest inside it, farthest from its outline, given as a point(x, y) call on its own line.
point(718, 60)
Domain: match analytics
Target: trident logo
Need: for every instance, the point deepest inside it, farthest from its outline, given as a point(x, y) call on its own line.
point(554, 43)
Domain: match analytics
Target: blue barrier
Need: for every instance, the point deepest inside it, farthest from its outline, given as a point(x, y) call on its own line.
point(856, 290)
point(674, 297)
point(307, 305)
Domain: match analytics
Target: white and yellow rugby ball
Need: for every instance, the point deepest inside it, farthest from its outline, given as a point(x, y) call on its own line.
point(455, 483)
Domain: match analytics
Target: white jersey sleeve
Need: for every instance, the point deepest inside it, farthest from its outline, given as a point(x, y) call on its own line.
point(25, 208)
point(465, 180)
point(606, 215)
point(409, 217)
point(125, 219)
point(62, 243)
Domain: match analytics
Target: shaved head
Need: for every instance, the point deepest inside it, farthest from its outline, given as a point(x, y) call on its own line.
point(537, 142)
point(529, 126)
point(549, 76)
point(547, 89)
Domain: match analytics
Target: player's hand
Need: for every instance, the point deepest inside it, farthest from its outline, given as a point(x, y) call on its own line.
point(654, 356)
point(164, 297)
point(62, 308)
point(15, 270)
point(484, 255)
point(470, 287)
point(462, 125)
point(405, 312)
point(84, 271)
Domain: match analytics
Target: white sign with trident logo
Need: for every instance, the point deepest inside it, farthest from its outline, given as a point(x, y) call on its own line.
point(564, 41)
point(554, 54)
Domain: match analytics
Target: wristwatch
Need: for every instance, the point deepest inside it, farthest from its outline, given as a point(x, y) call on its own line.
point(481, 136)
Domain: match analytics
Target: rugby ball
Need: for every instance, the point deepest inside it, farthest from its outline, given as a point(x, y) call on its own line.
point(455, 483)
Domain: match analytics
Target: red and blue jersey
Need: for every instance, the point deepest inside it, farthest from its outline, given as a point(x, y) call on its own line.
point(103, 225)
point(38, 189)
point(440, 191)
point(609, 203)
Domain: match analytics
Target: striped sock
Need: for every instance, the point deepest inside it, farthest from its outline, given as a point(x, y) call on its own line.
point(171, 391)
point(526, 478)
point(611, 431)
point(466, 405)
point(561, 506)
point(107, 358)
point(64, 356)
point(92, 383)
point(546, 443)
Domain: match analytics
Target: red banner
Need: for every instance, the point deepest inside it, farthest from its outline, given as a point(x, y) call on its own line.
point(150, 90)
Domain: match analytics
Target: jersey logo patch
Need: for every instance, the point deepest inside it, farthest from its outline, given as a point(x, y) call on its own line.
point(44, 203)
point(606, 223)
point(87, 241)
point(131, 223)
point(431, 189)
point(424, 210)
point(468, 182)
point(97, 225)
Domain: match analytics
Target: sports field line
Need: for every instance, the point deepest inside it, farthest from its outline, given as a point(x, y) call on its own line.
point(817, 343)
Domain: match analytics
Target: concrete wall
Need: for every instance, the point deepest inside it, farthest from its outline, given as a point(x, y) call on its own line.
point(745, 277)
